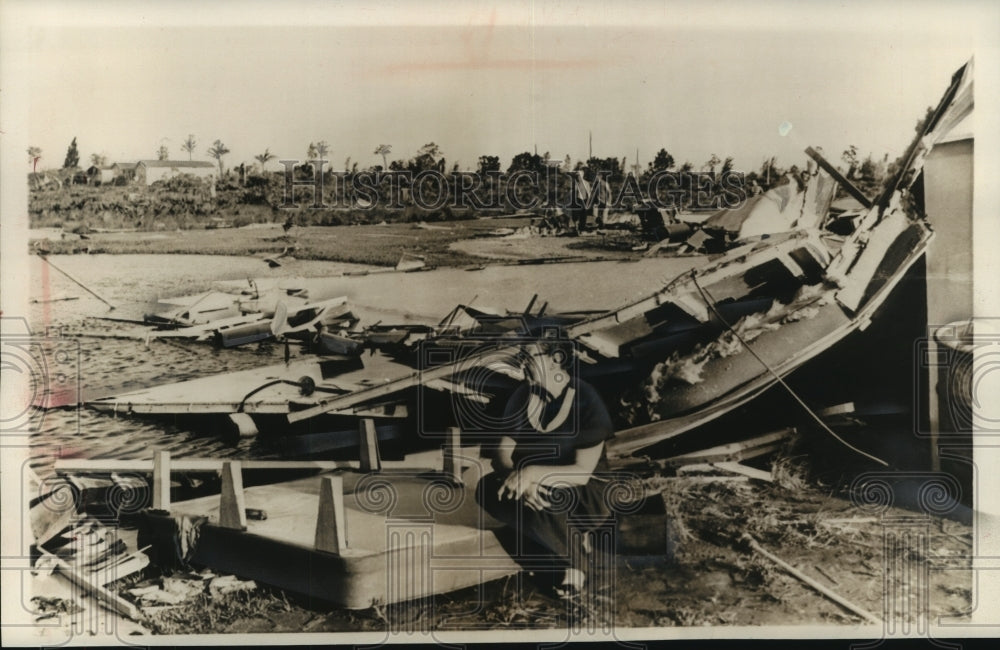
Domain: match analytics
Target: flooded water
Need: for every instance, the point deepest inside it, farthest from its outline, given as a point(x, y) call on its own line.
point(80, 360)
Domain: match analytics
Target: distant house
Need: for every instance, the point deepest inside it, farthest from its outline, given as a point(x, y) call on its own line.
point(148, 172)
point(124, 171)
point(99, 175)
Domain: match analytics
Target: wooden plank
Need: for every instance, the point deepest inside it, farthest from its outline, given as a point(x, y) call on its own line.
point(743, 470)
point(66, 466)
point(370, 459)
point(836, 409)
point(92, 587)
point(848, 186)
point(232, 504)
point(331, 532)
point(708, 479)
point(161, 480)
point(743, 449)
point(278, 406)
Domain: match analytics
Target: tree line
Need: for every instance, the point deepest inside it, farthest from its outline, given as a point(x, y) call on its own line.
point(867, 173)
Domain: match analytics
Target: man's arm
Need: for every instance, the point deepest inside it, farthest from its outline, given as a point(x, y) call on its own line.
point(581, 471)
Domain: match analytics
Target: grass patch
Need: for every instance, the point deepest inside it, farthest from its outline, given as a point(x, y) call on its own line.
point(379, 245)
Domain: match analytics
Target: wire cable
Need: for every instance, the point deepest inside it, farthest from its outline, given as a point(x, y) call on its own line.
point(711, 305)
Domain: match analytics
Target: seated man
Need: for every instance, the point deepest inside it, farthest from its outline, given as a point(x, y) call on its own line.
point(548, 464)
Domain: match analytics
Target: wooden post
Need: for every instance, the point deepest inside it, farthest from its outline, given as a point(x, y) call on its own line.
point(232, 506)
point(161, 480)
point(849, 187)
point(331, 525)
point(450, 464)
point(370, 461)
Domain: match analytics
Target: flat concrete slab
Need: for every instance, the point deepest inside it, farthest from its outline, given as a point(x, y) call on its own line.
point(410, 534)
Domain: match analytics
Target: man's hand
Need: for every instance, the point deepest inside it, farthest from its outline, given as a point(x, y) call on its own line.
point(524, 483)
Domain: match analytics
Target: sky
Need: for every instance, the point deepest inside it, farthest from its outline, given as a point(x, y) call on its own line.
point(748, 81)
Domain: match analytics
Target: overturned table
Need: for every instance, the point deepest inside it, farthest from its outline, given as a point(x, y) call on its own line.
point(351, 538)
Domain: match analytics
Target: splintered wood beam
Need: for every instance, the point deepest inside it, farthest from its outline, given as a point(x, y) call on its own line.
point(816, 586)
point(331, 525)
point(733, 451)
point(840, 178)
point(370, 459)
point(232, 503)
point(749, 472)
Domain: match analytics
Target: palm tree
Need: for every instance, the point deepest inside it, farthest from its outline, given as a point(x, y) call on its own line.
point(711, 163)
point(322, 148)
point(264, 157)
point(34, 155)
point(217, 151)
point(384, 150)
point(311, 152)
point(189, 145)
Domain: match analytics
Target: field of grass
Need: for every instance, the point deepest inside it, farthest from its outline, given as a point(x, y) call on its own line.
point(380, 245)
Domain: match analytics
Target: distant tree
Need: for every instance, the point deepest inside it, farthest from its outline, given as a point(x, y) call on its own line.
point(163, 153)
point(430, 150)
point(686, 167)
point(217, 151)
point(263, 158)
point(384, 150)
point(34, 155)
point(428, 157)
point(871, 175)
point(727, 165)
point(850, 158)
point(72, 156)
point(322, 148)
point(662, 161)
point(489, 164)
point(98, 160)
point(189, 145)
point(526, 162)
point(711, 163)
point(609, 165)
point(347, 164)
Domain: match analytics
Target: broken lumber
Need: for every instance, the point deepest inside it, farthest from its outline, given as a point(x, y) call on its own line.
point(744, 470)
point(734, 451)
point(102, 595)
point(848, 186)
point(795, 573)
